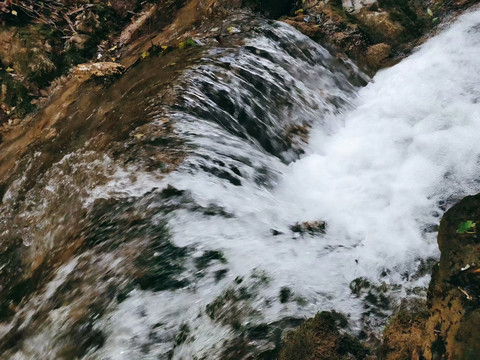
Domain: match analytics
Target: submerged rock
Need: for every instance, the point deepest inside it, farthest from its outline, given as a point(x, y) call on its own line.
point(309, 227)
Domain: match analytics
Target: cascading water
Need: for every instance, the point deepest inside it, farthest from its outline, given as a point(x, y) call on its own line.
point(190, 253)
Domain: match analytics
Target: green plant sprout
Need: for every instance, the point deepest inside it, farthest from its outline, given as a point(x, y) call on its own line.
point(467, 227)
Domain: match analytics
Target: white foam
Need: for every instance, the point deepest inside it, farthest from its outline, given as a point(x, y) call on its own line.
point(410, 143)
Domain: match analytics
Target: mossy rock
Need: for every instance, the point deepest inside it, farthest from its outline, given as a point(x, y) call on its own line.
point(453, 329)
point(403, 337)
point(322, 338)
point(15, 97)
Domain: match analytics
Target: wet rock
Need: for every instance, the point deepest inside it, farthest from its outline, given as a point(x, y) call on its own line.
point(159, 265)
point(259, 340)
point(99, 69)
point(331, 25)
point(355, 5)
point(453, 329)
point(377, 53)
point(274, 8)
point(309, 227)
point(79, 41)
point(403, 336)
point(137, 24)
point(351, 27)
point(379, 25)
point(448, 326)
point(12, 278)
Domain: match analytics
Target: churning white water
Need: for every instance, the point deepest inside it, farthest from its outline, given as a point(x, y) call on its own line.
point(380, 172)
point(408, 148)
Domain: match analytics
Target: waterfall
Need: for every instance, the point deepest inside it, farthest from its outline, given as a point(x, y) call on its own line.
point(206, 242)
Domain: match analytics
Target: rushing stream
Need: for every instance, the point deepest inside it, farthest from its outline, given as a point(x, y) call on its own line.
point(185, 219)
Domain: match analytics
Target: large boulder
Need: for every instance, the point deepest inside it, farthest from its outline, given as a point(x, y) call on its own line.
point(453, 329)
point(323, 337)
point(449, 328)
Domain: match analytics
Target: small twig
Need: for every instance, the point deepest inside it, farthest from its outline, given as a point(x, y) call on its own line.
point(69, 22)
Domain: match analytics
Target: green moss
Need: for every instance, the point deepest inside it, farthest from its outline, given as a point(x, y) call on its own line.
point(231, 306)
point(260, 276)
point(220, 274)
point(16, 95)
point(358, 285)
point(301, 301)
point(34, 32)
point(113, 222)
point(320, 338)
point(35, 63)
point(404, 12)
